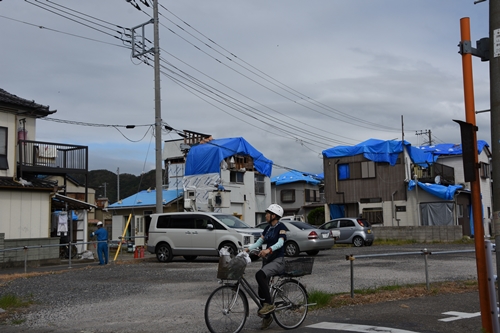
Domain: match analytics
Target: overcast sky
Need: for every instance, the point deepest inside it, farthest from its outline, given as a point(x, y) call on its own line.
point(291, 77)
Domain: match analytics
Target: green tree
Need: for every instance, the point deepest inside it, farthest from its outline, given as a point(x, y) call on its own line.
point(316, 216)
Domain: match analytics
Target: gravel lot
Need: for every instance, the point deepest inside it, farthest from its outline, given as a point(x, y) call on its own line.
point(148, 296)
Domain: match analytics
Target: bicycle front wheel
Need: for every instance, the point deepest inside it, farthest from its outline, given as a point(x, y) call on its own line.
point(290, 299)
point(226, 310)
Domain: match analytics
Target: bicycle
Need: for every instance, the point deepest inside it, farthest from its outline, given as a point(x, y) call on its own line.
point(227, 307)
point(64, 251)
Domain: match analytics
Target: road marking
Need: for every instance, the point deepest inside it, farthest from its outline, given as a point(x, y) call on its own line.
point(357, 328)
point(459, 315)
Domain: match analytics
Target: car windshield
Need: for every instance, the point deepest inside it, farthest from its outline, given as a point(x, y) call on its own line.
point(302, 225)
point(232, 221)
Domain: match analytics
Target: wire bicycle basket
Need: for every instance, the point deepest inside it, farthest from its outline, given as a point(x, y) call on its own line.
point(231, 268)
point(299, 266)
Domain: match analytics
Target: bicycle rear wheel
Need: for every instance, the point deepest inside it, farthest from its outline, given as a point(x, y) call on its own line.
point(226, 310)
point(290, 298)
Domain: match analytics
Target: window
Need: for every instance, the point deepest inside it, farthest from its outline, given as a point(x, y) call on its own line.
point(4, 165)
point(460, 211)
point(260, 184)
point(356, 170)
point(368, 169)
point(346, 224)
point(287, 196)
point(236, 177)
point(485, 170)
point(312, 195)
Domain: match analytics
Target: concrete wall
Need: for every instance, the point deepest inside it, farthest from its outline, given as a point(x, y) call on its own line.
point(38, 252)
point(423, 234)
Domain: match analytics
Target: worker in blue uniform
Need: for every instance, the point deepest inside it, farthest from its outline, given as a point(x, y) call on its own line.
point(102, 245)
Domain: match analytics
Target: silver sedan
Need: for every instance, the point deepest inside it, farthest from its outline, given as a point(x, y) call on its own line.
point(303, 237)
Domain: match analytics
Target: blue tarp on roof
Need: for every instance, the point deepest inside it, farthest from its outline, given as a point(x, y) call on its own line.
point(379, 151)
point(450, 148)
point(147, 198)
point(295, 176)
point(440, 191)
point(206, 158)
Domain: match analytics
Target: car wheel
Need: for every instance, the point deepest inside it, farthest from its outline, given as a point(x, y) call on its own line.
point(358, 241)
point(190, 258)
point(164, 252)
point(312, 253)
point(231, 248)
point(291, 249)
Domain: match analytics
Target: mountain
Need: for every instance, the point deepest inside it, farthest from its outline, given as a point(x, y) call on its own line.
point(105, 183)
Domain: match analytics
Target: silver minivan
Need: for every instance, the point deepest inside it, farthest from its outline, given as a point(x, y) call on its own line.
point(192, 234)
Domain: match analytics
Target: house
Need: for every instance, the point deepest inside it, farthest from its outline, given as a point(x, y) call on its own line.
point(131, 216)
point(392, 183)
point(27, 199)
point(297, 192)
point(228, 176)
point(223, 175)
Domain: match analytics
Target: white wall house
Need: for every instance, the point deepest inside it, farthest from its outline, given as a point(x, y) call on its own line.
point(223, 175)
point(26, 199)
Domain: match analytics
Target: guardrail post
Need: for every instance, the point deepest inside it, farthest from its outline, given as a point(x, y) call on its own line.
point(351, 259)
point(426, 253)
point(69, 254)
point(25, 259)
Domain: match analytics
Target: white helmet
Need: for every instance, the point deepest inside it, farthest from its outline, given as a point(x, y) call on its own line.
point(99, 223)
point(275, 209)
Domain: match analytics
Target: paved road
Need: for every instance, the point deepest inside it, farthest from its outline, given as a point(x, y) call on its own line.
point(151, 296)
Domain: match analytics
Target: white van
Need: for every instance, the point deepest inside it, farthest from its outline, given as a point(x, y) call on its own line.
point(193, 234)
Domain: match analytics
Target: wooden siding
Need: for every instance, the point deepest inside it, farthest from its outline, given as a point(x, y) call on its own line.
point(388, 179)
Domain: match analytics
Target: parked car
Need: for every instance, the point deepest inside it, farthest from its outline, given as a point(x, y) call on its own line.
point(303, 237)
point(192, 234)
point(353, 230)
point(235, 223)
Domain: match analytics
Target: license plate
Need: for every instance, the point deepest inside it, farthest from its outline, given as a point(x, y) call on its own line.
point(325, 235)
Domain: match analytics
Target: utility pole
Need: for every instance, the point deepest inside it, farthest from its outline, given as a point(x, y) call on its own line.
point(139, 50)
point(117, 184)
point(471, 171)
point(159, 185)
point(428, 132)
point(494, 48)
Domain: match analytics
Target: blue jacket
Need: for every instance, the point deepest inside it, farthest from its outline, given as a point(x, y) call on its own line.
point(101, 233)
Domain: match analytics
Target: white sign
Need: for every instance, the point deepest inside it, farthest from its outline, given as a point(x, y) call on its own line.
point(496, 43)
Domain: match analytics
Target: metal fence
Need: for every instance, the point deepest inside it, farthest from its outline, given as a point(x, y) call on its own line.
point(70, 250)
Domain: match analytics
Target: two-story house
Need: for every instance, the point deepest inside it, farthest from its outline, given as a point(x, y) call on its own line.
point(394, 184)
point(26, 199)
point(297, 192)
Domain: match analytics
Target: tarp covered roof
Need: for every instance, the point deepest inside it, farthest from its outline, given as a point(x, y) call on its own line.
point(379, 151)
point(450, 148)
point(206, 158)
point(296, 176)
point(147, 198)
point(387, 151)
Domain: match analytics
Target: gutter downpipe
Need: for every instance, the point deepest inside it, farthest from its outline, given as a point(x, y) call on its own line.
point(337, 185)
point(392, 207)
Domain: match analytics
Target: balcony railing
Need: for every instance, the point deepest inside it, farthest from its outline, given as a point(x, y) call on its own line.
point(51, 158)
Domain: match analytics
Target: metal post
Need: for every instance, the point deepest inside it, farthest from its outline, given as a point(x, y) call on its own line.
point(470, 117)
point(424, 251)
point(492, 278)
point(158, 174)
point(25, 259)
point(494, 32)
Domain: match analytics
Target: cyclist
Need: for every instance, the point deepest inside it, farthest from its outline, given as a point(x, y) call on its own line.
point(273, 259)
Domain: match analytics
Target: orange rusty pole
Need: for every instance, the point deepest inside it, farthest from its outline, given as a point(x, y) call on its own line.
point(470, 117)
